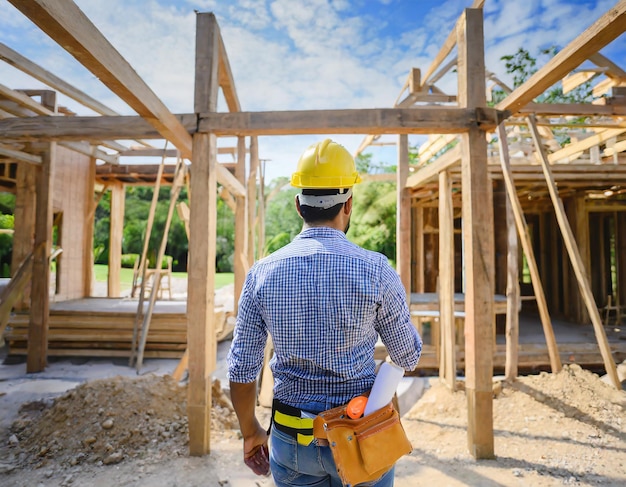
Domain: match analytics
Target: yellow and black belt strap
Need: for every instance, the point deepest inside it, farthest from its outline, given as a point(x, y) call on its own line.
point(289, 420)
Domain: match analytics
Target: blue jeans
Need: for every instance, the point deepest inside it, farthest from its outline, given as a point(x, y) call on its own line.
point(296, 465)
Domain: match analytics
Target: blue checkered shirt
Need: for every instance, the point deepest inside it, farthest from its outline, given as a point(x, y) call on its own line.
point(325, 301)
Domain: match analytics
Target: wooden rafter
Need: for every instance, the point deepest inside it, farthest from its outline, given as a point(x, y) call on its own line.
point(71, 28)
point(602, 32)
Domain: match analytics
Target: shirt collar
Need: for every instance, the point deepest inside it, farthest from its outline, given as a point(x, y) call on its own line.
point(321, 232)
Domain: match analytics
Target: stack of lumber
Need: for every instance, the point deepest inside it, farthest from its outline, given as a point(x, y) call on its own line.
point(104, 328)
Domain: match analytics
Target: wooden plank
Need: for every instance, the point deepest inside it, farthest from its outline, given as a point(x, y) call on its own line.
point(71, 29)
point(25, 65)
point(11, 294)
point(36, 359)
point(116, 232)
point(430, 171)
point(422, 120)
point(241, 223)
point(607, 28)
point(572, 151)
point(576, 259)
point(252, 197)
point(348, 121)
point(143, 261)
point(527, 246)
point(202, 233)
point(403, 218)
point(512, 294)
point(226, 80)
point(447, 368)
point(66, 24)
point(611, 69)
point(24, 101)
point(446, 49)
point(573, 110)
point(174, 193)
point(19, 156)
point(478, 252)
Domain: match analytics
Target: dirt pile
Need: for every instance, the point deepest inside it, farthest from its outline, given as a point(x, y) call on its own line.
point(109, 421)
point(549, 429)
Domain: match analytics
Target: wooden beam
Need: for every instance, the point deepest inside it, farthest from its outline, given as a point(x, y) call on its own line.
point(23, 64)
point(527, 246)
point(576, 259)
point(513, 292)
point(447, 363)
point(607, 28)
point(423, 120)
point(403, 219)
point(252, 197)
point(226, 80)
point(446, 49)
point(430, 171)
point(478, 247)
point(37, 356)
point(202, 232)
point(241, 224)
point(571, 151)
point(116, 222)
point(352, 121)
point(65, 23)
point(612, 70)
point(20, 156)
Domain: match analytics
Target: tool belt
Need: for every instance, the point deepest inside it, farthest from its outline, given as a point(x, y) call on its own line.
point(364, 449)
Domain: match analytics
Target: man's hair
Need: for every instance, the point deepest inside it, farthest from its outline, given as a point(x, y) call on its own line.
point(311, 214)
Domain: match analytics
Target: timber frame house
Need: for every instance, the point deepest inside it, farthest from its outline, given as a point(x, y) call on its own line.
point(41, 148)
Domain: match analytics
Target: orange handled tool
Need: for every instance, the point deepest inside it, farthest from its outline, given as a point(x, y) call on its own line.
point(356, 406)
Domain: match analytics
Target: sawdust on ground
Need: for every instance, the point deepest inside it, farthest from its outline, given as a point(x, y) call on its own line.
point(550, 429)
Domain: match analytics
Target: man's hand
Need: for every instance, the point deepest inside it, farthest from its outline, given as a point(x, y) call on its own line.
point(255, 451)
point(256, 456)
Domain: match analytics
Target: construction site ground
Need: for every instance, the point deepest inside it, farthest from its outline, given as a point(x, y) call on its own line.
point(97, 422)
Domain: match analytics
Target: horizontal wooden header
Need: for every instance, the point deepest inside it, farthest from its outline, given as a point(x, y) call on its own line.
point(428, 120)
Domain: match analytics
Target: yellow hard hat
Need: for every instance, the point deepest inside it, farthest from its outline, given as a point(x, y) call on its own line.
point(325, 165)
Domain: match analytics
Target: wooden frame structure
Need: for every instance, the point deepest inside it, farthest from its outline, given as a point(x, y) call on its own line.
point(195, 136)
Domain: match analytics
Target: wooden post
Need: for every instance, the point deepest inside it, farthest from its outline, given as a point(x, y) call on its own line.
point(620, 256)
point(241, 223)
point(419, 250)
point(478, 240)
point(116, 226)
point(36, 358)
point(447, 367)
point(403, 217)
point(512, 296)
point(202, 228)
point(252, 197)
point(575, 257)
point(89, 230)
point(527, 246)
point(25, 210)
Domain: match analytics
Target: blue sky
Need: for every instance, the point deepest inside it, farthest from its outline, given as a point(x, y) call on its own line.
point(297, 54)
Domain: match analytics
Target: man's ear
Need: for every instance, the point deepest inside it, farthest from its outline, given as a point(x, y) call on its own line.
point(298, 206)
point(347, 207)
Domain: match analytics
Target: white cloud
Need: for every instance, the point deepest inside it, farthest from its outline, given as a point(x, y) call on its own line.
point(295, 54)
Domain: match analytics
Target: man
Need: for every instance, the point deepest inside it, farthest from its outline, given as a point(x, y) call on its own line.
point(324, 301)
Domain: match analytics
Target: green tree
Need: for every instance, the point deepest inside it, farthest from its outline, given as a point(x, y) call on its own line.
point(282, 222)
point(522, 65)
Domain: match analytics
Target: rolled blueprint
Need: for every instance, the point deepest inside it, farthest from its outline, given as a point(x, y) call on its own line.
point(385, 385)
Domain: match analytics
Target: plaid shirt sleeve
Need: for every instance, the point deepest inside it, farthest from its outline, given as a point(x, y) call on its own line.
point(245, 357)
point(394, 322)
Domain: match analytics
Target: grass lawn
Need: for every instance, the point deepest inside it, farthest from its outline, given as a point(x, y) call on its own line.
point(126, 276)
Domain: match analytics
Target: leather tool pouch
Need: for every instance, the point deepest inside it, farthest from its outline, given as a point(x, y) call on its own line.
point(363, 449)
